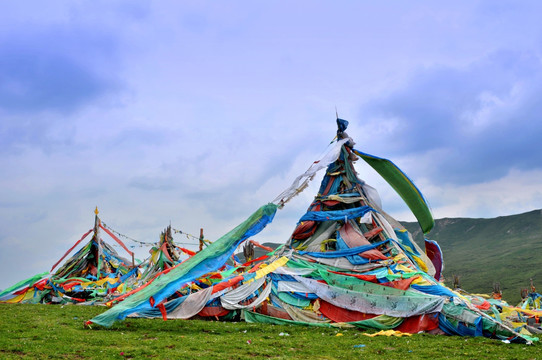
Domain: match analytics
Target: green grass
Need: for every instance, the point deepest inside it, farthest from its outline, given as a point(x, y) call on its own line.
point(57, 332)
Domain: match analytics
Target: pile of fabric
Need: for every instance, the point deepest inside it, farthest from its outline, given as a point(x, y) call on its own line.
point(95, 273)
point(347, 264)
point(162, 256)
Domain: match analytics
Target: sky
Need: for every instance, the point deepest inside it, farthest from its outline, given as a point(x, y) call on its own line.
point(195, 114)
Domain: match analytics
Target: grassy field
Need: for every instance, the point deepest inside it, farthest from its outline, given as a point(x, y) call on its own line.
point(57, 332)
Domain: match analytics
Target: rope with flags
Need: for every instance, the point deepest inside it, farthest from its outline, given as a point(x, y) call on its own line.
point(127, 237)
point(190, 236)
point(147, 243)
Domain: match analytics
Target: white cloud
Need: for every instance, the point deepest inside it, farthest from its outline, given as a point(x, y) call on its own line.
point(517, 192)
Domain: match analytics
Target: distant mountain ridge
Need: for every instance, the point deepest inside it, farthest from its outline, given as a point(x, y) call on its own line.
point(505, 249)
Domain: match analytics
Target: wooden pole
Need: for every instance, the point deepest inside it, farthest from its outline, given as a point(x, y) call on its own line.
point(98, 241)
point(200, 239)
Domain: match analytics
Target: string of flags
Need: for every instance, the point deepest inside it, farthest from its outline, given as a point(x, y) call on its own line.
point(141, 243)
point(146, 243)
point(189, 236)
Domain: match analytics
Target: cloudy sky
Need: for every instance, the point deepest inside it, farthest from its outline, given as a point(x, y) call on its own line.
point(197, 113)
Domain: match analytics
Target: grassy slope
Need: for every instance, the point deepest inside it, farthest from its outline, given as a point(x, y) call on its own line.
point(505, 249)
point(55, 332)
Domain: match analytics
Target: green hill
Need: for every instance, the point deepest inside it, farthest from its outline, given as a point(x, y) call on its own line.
point(506, 249)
